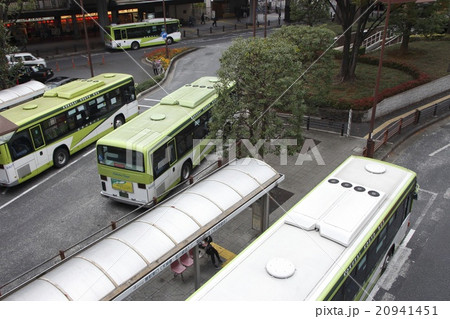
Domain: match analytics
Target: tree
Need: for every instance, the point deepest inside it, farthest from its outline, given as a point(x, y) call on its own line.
point(353, 14)
point(309, 12)
point(312, 44)
point(425, 19)
point(264, 73)
point(10, 10)
point(8, 74)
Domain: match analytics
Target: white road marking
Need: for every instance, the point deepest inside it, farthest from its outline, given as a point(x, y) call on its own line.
point(43, 181)
point(427, 207)
point(147, 99)
point(447, 194)
point(439, 150)
point(400, 263)
point(408, 237)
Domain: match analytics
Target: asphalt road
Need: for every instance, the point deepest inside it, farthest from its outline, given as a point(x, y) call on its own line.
point(419, 270)
point(58, 208)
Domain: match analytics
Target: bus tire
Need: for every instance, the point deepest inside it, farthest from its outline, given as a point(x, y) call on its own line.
point(169, 41)
point(118, 121)
point(135, 45)
point(60, 157)
point(186, 170)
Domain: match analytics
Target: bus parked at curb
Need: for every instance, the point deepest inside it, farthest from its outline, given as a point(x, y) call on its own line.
point(142, 34)
point(44, 132)
point(143, 159)
point(332, 245)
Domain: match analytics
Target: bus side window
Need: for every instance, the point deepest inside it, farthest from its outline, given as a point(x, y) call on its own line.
point(114, 99)
point(163, 157)
point(20, 145)
point(184, 141)
point(117, 35)
point(123, 34)
point(129, 93)
point(38, 139)
point(159, 162)
point(201, 126)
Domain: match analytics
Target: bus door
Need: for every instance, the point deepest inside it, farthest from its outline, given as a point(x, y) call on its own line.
point(163, 163)
point(22, 154)
point(41, 153)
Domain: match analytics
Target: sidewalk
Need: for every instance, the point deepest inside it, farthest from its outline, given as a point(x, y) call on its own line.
point(49, 50)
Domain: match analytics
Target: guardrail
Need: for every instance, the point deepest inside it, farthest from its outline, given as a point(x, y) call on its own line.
point(190, 32)
point(411, 118)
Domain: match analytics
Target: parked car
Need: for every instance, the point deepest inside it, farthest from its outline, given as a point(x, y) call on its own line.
point(26, 58)
point(35, 72)
point(58, 80)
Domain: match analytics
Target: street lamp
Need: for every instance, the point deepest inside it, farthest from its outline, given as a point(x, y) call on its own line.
point(370, 141)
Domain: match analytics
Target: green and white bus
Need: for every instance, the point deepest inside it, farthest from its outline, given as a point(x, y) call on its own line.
point(148, 156)
point(142, 34)
point(332, 245)
point(46, 131)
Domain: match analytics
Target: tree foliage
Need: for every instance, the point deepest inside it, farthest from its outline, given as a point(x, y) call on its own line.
point(425, 19)
point(264, 73)
point(312, 45)
point(8, 74)
point(10, 11)
point(309, 12)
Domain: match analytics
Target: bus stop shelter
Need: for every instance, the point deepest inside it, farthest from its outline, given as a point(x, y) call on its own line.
point(121, 262)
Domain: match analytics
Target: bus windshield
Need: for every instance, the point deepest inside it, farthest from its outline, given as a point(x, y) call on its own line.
point(120, 158)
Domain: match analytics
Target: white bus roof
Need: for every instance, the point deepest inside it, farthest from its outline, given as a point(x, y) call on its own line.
point(20, 93)
point(297, 257)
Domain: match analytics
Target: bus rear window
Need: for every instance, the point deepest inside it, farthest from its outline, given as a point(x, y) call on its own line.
point(120, 158)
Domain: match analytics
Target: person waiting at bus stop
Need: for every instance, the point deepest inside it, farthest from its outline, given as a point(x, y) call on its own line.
point(211, 251)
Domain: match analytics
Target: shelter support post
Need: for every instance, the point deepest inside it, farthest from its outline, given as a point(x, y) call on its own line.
point(260, 214)
point(197, 268)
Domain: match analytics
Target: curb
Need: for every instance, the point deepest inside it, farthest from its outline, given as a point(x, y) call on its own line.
point(166, 73)
point(386, 150)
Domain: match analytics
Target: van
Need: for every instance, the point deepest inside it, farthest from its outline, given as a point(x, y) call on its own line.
point(26, 58)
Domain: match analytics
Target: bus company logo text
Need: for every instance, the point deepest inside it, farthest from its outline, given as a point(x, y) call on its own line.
point(84, 98)
point(363, 249)
point(308, 152)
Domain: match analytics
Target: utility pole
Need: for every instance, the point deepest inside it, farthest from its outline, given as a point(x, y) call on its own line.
point(87, 39)
point(165, 29)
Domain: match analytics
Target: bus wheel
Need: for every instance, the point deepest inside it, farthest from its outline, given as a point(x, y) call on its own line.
point(134, 45)
point(186, 171)
point(118, 121)
point(169, 41)
point(60, 157)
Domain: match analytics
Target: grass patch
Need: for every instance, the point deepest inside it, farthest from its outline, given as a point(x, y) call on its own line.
point(364, 85)
point(428, 56)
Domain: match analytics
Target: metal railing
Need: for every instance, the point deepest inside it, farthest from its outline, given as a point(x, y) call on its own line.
point(415, 117)
point(190, 32)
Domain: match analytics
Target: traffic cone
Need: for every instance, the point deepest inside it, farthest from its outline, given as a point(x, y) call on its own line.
point(57, 67)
